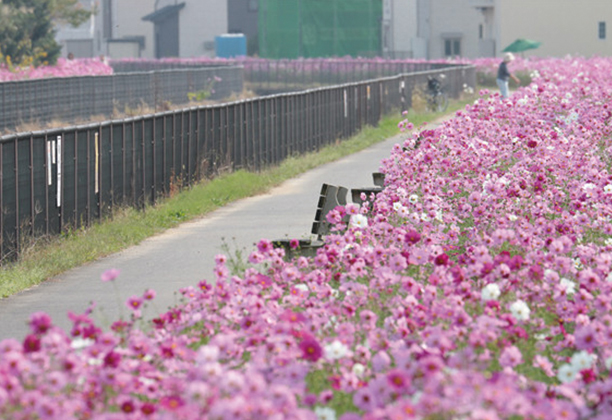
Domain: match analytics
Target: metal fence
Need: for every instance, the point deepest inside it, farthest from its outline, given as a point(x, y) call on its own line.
point(288, 73)
point(68, 178)
point(72, 98)
point(295, 73)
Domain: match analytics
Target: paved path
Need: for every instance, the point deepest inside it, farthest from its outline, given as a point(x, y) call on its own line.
point(184, 255)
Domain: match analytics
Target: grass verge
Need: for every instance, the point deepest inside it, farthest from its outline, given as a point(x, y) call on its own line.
point(45, 258)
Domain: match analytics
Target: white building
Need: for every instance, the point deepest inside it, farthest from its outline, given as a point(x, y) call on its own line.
point(483, 28)
point(147, 28)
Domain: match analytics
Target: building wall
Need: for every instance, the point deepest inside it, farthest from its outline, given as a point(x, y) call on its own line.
point(242, 17)
point(454, 20)
point(404, 28)
point(200, 22)
point(127, 20)
point(68, 36)
point(563, 26)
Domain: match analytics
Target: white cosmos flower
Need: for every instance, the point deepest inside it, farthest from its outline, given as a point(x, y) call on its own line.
point(490, 292)
point(359, 221)
point(335, 350)
point(608, 363)
point(568, 285)
point(81, 343)
point(582, 360)
point(403, 212)
point(302, 287)
point(207, 354)
point(358, 370)
point(439, 215)
point(566, 373)
point(520, 310)
point(325, 413)
point(578, 264)
point(608, 189)
point(413, 199)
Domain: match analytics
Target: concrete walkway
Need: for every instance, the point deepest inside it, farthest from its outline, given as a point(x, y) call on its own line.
point(184, 255)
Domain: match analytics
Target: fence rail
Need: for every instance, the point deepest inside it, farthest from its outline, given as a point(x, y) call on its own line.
point(289, 73)
point(68, 178)
point(71, 98)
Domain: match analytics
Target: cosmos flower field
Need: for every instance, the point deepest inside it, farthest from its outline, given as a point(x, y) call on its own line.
point(477, 285)
point(63, 68)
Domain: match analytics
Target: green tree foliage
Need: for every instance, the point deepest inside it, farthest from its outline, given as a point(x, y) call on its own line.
point(27, 29)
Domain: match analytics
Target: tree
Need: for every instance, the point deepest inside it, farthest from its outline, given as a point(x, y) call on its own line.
point(27, 29)
point(70, 12)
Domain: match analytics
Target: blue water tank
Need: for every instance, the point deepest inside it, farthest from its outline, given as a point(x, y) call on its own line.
point(230, 45)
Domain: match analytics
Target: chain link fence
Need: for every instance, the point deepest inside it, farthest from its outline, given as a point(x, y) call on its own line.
point(290, 75)
point(71, 99)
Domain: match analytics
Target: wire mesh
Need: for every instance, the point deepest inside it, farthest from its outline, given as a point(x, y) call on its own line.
point(73, 99)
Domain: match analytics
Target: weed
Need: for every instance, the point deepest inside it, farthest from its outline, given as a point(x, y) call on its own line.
point(236, 261)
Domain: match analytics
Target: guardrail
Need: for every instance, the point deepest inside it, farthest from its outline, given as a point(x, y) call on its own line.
point(60, 179)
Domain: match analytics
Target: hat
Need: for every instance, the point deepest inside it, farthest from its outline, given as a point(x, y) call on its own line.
point(508, 57)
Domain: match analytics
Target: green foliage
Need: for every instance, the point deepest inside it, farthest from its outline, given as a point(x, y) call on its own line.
point(198, 96)
point(69, 12)
point(202, 95)
point(27, 29)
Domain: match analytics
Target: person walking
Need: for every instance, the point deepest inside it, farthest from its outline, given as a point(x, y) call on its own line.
point(503, 75)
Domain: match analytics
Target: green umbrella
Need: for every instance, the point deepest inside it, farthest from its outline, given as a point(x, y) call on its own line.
point(522, 44)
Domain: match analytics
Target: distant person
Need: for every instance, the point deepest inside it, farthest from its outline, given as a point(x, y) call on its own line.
point(70, 56)
point(503, 74)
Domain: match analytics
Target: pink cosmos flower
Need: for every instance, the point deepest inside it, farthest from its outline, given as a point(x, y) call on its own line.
point(311, 349)
point(149, 294)
point(31, 343)
point(380, 361)
point(412, 237)
point(511, 356)
point(264, 246)
point(364, 399)
point(586, 338)
point(171, 402)
point(109, 275)
point(398, 379)
point(40, 322)
point(134, 302)
point(419, 256)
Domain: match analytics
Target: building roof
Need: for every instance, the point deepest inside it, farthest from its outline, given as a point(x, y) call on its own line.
point(164, 13)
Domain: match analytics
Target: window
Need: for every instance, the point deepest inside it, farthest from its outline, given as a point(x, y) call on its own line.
point(253, 5)
point(602, 30)
point(452, 47)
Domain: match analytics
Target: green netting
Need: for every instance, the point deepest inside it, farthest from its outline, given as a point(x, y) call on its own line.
point(319, 28)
